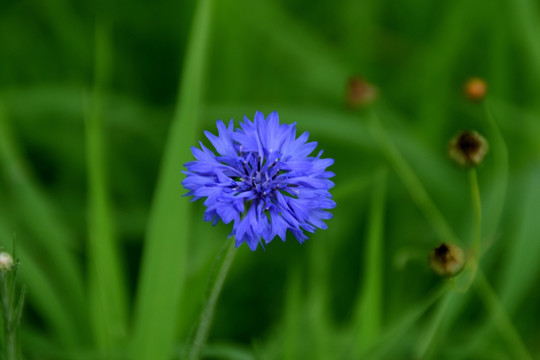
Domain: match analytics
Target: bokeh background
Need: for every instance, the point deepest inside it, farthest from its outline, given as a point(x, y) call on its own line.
point(100, 103)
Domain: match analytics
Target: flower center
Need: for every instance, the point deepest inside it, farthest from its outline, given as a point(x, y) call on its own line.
point(259, 175)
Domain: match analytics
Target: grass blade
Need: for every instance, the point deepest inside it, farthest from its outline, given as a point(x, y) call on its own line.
point(497, 191)
point(163, 268)
point(427, 339)
point(393, 334)
point(301, 46)
point(346, 126)
point(43, 295)
point(48, 239)
point(502, 320)
point(107, 296)
point(521, 268)
point(369, 306)
point(292, 346)
point(413, 184)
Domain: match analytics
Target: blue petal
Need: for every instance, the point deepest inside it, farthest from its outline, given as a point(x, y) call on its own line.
point(263, 180)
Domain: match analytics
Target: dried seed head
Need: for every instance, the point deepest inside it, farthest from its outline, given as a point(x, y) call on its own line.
point(6, 262)
point(468, 148)
point(475, 89)
point(360, 93)
point(447, 259)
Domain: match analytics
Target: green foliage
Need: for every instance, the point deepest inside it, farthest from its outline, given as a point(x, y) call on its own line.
point(101, 102)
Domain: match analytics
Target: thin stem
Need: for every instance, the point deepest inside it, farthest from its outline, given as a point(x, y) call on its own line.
point(216, 284)
point(469, 274)
point(477, 209)
point(10, 341)
point(466, 278)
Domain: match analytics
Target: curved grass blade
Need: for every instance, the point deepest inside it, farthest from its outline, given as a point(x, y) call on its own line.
point(391, 336)
point(497, 191)
point(164, 259)
point(413, 184)
point(501, 318)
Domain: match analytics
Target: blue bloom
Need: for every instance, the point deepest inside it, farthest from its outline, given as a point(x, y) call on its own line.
point(262, 179)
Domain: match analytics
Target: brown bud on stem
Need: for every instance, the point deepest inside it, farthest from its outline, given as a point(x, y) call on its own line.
point(468, 148)
point(447, 259)
point(360, 93)
point(475, 89)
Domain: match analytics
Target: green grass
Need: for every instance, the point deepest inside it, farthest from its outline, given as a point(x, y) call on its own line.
point(100, 104)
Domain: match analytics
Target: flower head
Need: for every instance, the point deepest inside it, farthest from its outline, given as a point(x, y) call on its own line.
point(262, 179)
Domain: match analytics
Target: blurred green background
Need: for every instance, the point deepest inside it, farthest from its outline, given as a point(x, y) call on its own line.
point(100, 103)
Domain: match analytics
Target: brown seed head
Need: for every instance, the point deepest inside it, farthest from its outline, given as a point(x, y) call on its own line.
point(447, 259)
point(360, 93)
point(475, 89)
point(468, 148)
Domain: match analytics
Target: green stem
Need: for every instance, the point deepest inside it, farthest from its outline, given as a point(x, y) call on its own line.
point(9, 326)
point(216, 284)
point(477, 209)
point(466, 278)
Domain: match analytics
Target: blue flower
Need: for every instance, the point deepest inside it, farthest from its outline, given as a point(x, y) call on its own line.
point(262, 179)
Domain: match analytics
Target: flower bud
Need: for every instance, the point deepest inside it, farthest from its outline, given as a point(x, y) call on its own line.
point(475, 89)
point(447, 259)
point(360, 93)
point(6, 262)
point(468, 148)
